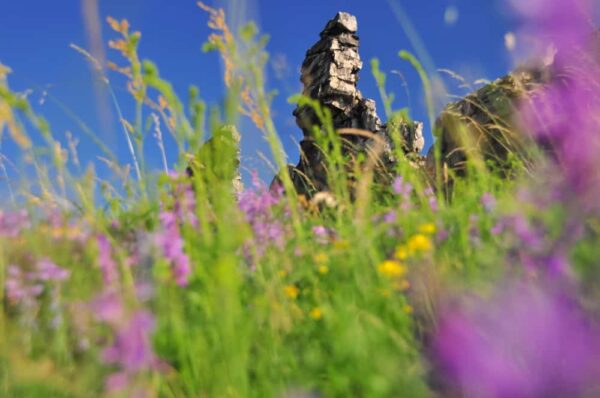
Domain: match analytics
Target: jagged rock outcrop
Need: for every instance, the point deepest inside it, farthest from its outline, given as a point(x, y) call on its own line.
point(330, 76)
point(482, 123)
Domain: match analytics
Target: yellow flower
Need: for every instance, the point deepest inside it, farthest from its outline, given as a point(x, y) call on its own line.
point(323, 269)
point(408, 308)
point(316, 313)
point(391, 268)
point(419, 243)
point(291, 292)
point(320, 258)
point(427, 228)
point(401, 253)
point(341, 245)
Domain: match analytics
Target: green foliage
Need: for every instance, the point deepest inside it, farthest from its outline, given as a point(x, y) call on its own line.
point(283, 293)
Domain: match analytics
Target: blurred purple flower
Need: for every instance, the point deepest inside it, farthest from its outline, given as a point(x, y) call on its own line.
point(323, 234)
point(524, 342)
point(131, 349)
point(184, 206)
point(390, 217)
point(48, 271)
point(258, 205)
point(488, 201)
point(171, 242)
point(564, 23)
point(431, 199)
point(12, 223)
point(404, 190)
point(109, 307)
point(108, 267)
point(19, 289)
point(563, 115)
point(116, 382)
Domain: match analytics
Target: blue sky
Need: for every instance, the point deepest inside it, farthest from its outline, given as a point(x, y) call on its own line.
point(466, 36)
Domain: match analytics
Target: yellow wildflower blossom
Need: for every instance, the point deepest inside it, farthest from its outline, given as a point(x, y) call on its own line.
point(391, 268)
point(427, 228)
point(320, 258)
point(408, 309)
point(419, 243)
point(291, 292)
point(401, 253)
point(323, 269)
point(316, 313)
point(341, 245)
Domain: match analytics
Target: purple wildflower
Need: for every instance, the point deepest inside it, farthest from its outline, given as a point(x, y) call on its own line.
point(171, 242)
point(561, 115)
point(390, 217)
point(12, 223)
point(48, 271)
point(184, 206)
point(563, 23)
point(108, 267)
point(404, 190)
point(323, 234)
point(19, 289)
point(131, 348)
point(258, 205)
point(524, 342)
point(431, 199)
point(109, 307)
point(488, 201)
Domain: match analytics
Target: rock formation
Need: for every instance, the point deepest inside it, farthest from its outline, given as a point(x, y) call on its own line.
point(330, 76)
point(482, 123)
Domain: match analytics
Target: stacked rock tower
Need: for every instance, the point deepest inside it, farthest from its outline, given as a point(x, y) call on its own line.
point(330, 74)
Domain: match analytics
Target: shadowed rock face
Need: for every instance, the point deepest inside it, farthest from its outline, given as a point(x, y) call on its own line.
point(330, 75)
point(482, 122)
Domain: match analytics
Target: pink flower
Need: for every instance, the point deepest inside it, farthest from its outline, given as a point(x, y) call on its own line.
point(108, 267)
point(171, 242)
point(525, 341)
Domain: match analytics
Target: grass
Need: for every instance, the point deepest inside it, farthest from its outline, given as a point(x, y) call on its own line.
point(176, 287)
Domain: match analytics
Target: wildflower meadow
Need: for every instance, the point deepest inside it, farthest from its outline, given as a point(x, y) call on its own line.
point(187, 280)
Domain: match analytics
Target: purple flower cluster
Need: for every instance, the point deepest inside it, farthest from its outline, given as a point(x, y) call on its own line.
point(108, 267)
point(131, 349)
point(24, 287)
point(431, 199)
point(403, 189)
point(170, 241)
point(530, 245)
point(20, 289)
point(525, 341)
point(257, 204)
point(184, 205)
point(12, 223)
point(323, 234)
point(563, 116)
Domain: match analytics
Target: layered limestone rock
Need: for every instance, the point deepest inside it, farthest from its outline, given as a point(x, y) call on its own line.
point(330, 75)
